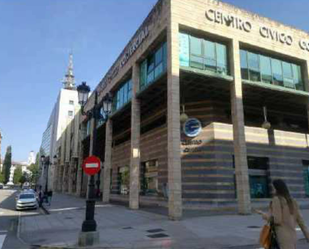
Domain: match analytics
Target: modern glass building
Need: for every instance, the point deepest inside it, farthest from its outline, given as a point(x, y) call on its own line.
point(210, 104)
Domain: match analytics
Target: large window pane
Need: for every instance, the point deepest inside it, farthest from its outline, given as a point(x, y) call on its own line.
point(143, 74)
point(244, 65)
point(221, 58)
point(129, 90)
point(210, 56)
point(125, 93)
point(266, 73)
point(196, 54)
point(150, 69)
point(158, 62)
point(287, 75)
point(297, 77)
point(277, 72)
point(165, 56)
point(184, 50)
point(254, 67)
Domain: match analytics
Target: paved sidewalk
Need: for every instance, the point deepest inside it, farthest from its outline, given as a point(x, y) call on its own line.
point(121, 227)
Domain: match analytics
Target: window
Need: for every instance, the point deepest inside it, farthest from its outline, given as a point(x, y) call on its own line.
point(254, 67)
point(124, 180)
point(123, 95)
point(260, 68)
point(202, 54)
point(258, 177)
point(277, 72)
point(71, 102)
point(306, 176)
point(149, 178)
point(244, 65)
point(70, 113)
point(266, 73)
point(153, 67)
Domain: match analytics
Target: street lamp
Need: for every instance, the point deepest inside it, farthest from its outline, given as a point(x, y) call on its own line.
point(89, 224)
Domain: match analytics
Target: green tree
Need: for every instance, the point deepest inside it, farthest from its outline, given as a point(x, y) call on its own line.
point(17, 175)
point(7, 164)
point(34, 168)
point(1, 177)
point(24, 178)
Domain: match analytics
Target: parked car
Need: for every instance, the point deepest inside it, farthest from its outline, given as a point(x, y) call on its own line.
point(26, 200)
point(1, 185)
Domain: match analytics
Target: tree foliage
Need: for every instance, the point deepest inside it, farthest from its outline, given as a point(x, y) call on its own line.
point(34, 168)
point(7, 164)
point(17, 175)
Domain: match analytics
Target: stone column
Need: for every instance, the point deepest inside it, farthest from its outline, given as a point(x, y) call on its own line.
point(71, 176)
point(60, 178)
point(107, 160)
point(305, 69)
point(135, 141)
point(65, 178)
point(240, 148)
point(79, 178)
point(173, 124)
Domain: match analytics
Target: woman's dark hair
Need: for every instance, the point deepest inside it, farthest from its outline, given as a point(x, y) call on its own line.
point(283, 191)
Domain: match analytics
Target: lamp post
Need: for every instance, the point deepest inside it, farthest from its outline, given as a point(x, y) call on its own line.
point(89, 224)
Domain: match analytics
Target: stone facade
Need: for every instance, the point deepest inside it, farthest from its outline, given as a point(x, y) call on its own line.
point(143, 145)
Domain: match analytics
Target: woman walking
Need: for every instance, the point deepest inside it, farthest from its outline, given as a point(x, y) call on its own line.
point(286, 215)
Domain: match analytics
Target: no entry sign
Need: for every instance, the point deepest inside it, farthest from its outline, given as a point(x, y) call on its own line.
point(91, 165)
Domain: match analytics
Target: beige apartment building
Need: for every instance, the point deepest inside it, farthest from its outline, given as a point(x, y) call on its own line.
point(210, 104)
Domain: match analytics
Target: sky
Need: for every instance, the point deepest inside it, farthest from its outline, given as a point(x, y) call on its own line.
point(37, 36)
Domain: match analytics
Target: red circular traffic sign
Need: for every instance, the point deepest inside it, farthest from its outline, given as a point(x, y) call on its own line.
point(91, 165)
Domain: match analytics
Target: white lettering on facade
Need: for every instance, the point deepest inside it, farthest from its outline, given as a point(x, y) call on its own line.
point(275, 35)
point(228, 20)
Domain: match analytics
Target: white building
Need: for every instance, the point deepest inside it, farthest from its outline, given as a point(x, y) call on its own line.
point(62, 114)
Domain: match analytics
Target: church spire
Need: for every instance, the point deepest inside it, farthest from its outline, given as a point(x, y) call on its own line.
point(68, 81)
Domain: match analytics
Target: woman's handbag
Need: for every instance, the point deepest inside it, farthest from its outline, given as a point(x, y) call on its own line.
point(265, 236)
point(268, 237)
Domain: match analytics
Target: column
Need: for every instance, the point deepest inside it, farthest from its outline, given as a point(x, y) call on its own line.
point(306, 84)
point(64, 179)
point(79, 179)
point(173, 124)
point(107, 160)
point(240, 148)
point(70, 176)
point(135, 141)
point(60, 179)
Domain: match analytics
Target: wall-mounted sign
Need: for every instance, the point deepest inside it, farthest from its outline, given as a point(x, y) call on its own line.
point(235, 22)
point(192, 127)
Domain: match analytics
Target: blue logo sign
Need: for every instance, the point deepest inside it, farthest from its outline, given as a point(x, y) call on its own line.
point(192, 127)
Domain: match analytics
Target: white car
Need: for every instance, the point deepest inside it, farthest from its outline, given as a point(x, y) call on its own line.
point(26, 200)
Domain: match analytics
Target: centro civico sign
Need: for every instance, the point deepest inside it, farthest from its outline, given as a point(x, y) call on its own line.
point(233, 21)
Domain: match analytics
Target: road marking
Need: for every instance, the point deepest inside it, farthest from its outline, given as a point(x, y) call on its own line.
point(2, 238)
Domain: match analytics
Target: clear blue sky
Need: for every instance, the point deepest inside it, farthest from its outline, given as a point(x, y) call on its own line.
point(37, 36)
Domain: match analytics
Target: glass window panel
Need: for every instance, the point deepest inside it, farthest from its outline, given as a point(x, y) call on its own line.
point(165, 56)
point(129, 90)
point(277, 72)
point(288, 75)
point(143, 74)
point(159, 56)
point(196, 55)
point(266, 69)
point(221, 58)
point(244, 65)
point(158, 70)
point(254, 67)
point(258, 186)
point(125, 93)
point(183, 50)
point(210, 55)
point(297, 77)
point(195, 46)
point(150, 69)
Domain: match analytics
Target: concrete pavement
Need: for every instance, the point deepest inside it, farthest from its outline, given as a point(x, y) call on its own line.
point(121, 227)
